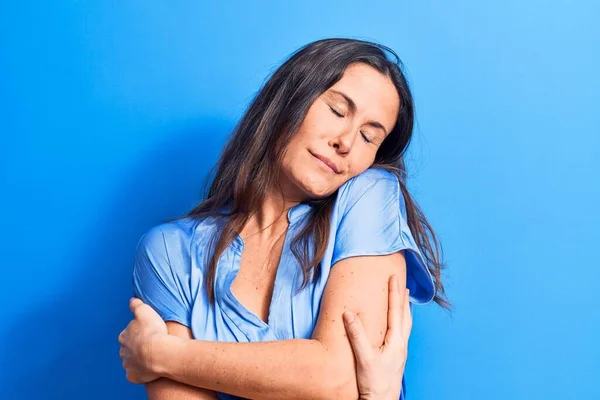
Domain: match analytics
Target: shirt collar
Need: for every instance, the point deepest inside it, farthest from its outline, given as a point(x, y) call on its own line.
point(297, 211)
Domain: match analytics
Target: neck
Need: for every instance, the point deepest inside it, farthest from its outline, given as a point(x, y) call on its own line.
point(271, 217)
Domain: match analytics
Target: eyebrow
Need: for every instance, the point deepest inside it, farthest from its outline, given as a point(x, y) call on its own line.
point(352, 106)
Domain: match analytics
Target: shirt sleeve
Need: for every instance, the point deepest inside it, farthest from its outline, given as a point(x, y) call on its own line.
point(372, 221)
point(159, 283)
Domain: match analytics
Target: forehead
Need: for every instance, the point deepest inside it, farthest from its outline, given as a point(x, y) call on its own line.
point(375, 95)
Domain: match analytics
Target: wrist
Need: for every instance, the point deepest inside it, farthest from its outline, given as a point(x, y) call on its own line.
point(390, 396)
point(161, 354)
point(390, 393)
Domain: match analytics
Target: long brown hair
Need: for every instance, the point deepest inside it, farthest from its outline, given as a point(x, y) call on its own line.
point(251, 160)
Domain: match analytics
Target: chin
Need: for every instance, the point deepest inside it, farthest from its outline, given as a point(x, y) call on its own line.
point(316, 188)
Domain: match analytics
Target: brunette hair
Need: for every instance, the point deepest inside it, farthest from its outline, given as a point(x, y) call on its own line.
point(251, 160)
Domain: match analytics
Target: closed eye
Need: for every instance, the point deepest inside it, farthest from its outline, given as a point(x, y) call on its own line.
point(365, 138)
point(336, 113)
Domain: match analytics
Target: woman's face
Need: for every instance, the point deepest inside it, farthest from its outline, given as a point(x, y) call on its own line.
point(329, 149)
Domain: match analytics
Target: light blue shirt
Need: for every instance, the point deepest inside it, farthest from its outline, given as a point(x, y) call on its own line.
point(369, 218)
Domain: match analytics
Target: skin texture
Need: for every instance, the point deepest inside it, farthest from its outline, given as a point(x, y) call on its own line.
point(322, 367)
point(379, 370)
point(166, 389)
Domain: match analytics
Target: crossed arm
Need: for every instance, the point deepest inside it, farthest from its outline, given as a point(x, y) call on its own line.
point(318, 368)
point(167, 389)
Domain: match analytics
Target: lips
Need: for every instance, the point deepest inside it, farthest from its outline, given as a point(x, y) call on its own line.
point(327, 162)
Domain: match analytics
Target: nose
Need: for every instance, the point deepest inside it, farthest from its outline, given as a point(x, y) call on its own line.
point(343, 142)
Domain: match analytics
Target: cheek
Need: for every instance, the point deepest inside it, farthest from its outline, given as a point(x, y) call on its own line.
point(317, 124)
point(360, 164)
point(293, 154)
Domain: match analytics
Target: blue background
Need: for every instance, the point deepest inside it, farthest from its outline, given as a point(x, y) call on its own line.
point(113, 112)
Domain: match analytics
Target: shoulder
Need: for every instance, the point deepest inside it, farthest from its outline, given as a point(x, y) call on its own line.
point(160, 235)
point(162, 275)
point(180, 231)
point(174, 240)
point(370, 177)
point(374, 184)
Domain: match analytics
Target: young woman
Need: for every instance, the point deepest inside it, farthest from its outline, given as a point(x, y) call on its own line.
point(307, 217)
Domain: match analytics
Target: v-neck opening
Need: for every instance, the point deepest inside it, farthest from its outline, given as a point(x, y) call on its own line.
point(275, 295)
point(280, 315)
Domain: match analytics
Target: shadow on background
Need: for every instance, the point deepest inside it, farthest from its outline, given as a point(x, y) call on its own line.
point(72, 340)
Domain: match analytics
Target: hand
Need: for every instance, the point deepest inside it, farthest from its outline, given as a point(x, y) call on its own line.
point(379, 371)
point(137, 340)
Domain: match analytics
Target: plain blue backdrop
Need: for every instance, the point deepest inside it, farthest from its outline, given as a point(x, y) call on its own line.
point(113, 112)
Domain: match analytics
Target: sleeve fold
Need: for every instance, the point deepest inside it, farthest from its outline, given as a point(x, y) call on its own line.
point(372, 222)
point(157, 282)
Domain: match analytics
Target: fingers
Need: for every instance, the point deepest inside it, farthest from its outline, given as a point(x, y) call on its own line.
point(395, 304)
point(407, 318)
point(399, 315)
point(358, 338)
point(141, 310)
point(134, 303)
point(395, 312)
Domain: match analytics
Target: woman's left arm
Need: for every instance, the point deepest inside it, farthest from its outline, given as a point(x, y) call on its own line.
point(318, 368)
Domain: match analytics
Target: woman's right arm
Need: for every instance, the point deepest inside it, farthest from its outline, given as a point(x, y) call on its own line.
point(167, 389)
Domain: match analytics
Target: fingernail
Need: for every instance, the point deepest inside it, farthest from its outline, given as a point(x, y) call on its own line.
point(348, 317)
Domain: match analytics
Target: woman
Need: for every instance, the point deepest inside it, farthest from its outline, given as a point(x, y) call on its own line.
point(313, 177)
